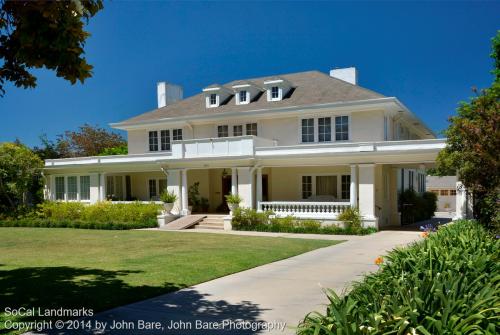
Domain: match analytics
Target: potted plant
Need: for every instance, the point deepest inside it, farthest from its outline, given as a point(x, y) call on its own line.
point(168, 199)
point(233, 201)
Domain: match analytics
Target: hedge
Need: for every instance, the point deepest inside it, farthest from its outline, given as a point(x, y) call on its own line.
point(448, 283)
point(250, 220)
point(52, 223)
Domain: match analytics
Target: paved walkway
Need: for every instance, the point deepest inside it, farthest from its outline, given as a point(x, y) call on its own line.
point(283, 291)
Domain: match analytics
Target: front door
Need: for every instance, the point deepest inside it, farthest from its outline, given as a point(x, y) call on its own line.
point(226, 190)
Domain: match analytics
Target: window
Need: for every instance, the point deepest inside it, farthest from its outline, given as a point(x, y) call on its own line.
point(85, 188)
point(326, 185)
point(152, 189)
point(72, 188)
point(251, 129)
point(213, 99)
point(402, 180)
point(443, 192)
point(324, 129)
point(306, 187)
point(119, 187)
point(153, 141)
point(238, 130)
point(346, 187)
point(222, 131)
point(386, 130)
point(341, 128)
point(177, 134)
point(110, 187)
point(165, 140)
point(275, 92)
point(410, 180)
point(307, 130)
point(453, 192)
point(162, 185)
point(436, 192)
point(243, 96)
point(60, 190)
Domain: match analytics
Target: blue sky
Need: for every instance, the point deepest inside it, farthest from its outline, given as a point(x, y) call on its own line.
point(428, 54)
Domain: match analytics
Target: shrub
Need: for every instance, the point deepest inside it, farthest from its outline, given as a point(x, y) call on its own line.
point(53, 223)
point(416, 207)
point(251, 220)
point(446, 284)
point(100, 212)
point(351, 218)
point(168, 197)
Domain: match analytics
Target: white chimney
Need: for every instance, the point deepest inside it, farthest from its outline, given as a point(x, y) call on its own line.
point(168, 93)
point(348, 74)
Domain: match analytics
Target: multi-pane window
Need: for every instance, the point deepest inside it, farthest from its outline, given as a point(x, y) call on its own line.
point(306, 187)
point(453, 192)
point(341, 128)
point(443, 192)
point(119, 187)
point(275, 92)
point(222, 131)
point(152, 189)
point(324, 129)
point(72, 188)
point(60, 188)
point(346, 187)
point(85, 188)
point(177, 135)
point(153, 141)
point(165, 140)
point(251, 129)
point(307, 130)
point(238, 130)
point(213, 99)
point(243, 96)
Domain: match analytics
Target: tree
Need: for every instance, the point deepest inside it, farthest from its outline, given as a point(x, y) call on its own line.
point(473, 144)
point(20, 173)
point(50, 34)
point(121, 150)
point(86, 141)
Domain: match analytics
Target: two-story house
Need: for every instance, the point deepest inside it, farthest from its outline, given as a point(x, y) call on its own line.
point(307, 144)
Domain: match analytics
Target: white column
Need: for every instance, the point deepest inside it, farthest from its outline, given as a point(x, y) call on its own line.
point(367, 194)
point(102, 187)
point(184, 193)
point(259, 186)
point(174, 186)
point(48, 189)
point(234, 181)
point(354, 186)
point(461, 202)
point(245, 186)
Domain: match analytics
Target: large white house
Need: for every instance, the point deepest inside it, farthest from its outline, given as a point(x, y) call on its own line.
point(307, 144)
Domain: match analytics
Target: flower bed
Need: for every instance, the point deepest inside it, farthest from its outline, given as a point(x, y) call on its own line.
point(251, 220)
point(449, 283)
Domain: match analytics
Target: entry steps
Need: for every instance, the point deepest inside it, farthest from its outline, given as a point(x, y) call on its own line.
point(211, 221)
point(184, 222)
point(197, 221)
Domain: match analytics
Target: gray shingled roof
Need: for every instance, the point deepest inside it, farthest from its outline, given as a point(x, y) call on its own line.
point(312, 87)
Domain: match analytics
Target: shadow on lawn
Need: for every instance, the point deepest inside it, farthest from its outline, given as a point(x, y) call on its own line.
point(68, 287)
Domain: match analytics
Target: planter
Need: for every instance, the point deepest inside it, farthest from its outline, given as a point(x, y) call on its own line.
point(167, 206)
point(232, 207)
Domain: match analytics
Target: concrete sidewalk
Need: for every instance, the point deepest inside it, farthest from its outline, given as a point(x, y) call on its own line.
point(284, 291)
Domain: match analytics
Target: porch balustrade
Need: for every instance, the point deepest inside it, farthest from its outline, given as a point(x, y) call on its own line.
point(304, 209)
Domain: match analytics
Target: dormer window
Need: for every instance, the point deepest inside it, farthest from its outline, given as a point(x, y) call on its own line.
point(243, 97)
point(213, 99)
point(275, 92)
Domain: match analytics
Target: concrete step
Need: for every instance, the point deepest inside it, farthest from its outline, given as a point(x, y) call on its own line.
point(184, 222)
point(211, 222)
point(209, 226)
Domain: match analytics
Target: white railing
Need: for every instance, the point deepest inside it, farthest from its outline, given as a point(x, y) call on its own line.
point(218, 147)
point(304, 209)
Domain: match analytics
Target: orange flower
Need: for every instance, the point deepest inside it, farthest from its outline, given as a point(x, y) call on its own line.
point(379, 260)
point(425, 234)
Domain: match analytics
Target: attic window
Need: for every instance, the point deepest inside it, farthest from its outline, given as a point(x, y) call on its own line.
point(275, 92)
point(243, 96)
point(213, 99)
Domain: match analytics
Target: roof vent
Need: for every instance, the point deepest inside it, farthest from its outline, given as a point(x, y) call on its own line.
point(168, 93)
point(348, 74)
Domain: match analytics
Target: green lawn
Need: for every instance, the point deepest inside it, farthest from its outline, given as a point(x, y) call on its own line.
point(52, 268)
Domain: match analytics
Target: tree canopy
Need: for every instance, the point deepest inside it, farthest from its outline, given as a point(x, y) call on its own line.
point(473, 145)
point(50, 34)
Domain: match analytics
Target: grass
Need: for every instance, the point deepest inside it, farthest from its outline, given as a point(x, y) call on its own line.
point(73, 268)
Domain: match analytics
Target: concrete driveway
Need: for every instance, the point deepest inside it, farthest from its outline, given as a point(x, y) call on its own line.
point(280, 293)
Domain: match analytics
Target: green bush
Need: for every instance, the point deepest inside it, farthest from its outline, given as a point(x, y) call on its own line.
point(100, 212)
point(250, 220)
point(448, 283)
point(168, 197)
point(417, 207)
point(64, 223)
point(351, 218)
